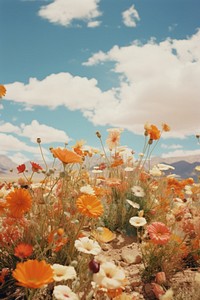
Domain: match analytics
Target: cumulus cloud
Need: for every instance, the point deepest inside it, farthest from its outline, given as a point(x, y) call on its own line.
point(76, 93)
point(161, 85)
point(47, 134)
point(64, 12)
point(173, 146)
point(159, 82)
point(180, 153)
point(130, 17)
point(9, 128)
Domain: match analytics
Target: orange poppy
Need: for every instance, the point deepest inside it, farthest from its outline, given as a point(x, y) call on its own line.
point(2, 90)
point(89, 205)
point(33, 273)
point(159, 233)
point(66, 156)
point(154, 132)
point(19, 202)
point(165, 127)
point(23, 250)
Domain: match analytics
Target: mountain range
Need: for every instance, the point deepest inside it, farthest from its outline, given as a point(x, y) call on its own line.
point(184, 166)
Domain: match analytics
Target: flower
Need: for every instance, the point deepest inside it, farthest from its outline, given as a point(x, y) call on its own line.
point(154, 132)
point(103, 235)
point(19, 202)
point(2, 90)
point(23, 250)
point(165, 127)
point(33, 273)
point(90, 206)
point(35, 167)
point(109, 276)
point(137, 221)
point(63, 292)
point(87, 189)
point(113, 137)
point(87, 246)
point(61, 272)
point(159, 233)
point(21, 168)
point(138, 191)
point(66, 156)
point(133, 204)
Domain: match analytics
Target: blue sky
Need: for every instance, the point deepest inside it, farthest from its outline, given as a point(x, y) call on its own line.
point(72, 67)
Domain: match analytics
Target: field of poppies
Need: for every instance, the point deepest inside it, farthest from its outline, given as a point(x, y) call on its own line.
point(57, 218)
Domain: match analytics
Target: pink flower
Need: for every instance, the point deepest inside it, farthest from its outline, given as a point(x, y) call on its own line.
point(159, 233)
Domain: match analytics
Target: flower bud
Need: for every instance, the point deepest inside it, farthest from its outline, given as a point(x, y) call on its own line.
point(94, 266)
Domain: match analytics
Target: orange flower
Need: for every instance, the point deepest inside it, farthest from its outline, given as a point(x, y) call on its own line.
point(90, 206)
point(57, 239)
point(23, 250)
point(19, 202)
point(159, 233)
point(153, 132)
point(165, 127)
point(66, 156)
point(33, 274)
point(2, 90)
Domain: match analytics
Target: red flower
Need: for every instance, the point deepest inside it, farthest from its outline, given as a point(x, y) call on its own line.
point(21, 168)
point(23, 250)
point(159, 233)
point(35, 167)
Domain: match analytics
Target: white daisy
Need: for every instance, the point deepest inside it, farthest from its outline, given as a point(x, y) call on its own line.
point(138, 191)
point(63, 292)
point(137, 221)
point(88, 246)
point(61, 272)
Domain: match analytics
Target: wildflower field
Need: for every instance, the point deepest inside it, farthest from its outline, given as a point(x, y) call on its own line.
point(100, 224)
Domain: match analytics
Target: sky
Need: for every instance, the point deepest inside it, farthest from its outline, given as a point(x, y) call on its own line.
point(74, 67)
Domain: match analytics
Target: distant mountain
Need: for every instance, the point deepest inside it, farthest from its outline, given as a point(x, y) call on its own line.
point(6, 164)
point(184, 165)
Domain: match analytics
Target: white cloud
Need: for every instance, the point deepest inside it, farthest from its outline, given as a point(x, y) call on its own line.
point(159, 83)
point(19, 158)
point(130, 17)
point(60, 89)
point(162, 85)
point(11, 143)
point(64, 12)
point(180, 153)
point(173, 146)
point(9, 128)
point(93, 24)
point(47, 134)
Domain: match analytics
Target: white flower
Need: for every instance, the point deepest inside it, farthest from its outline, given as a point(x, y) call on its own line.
point(137, 221)
point(97, 171)
point(63, 292)
point(61, 272)
point(133, 204)
point(109, 276)
point(87, 189)
point(197, 168)
point(88, 246)
point(155, 171)
point(138, 191)
point(164, 167)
